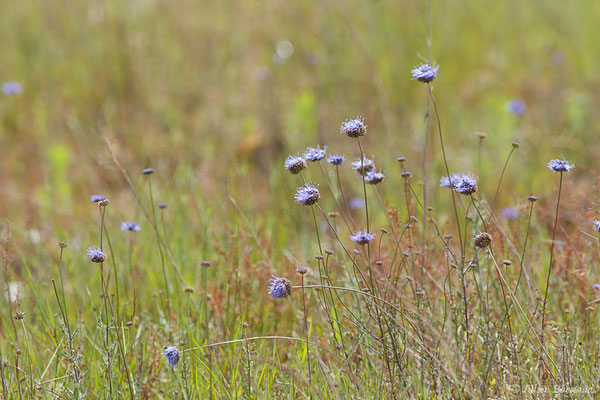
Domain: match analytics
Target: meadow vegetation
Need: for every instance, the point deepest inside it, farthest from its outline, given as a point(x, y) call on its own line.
point(177, 222)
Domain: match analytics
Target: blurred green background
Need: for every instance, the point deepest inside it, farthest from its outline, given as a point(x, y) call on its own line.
point(220, 92)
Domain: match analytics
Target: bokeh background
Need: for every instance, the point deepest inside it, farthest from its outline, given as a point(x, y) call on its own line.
point(221, 91)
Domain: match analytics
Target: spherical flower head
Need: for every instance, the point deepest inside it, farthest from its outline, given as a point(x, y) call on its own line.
point(354, 127)
point(97, 198)
point(130, 226)
point(425, 73)
point(361, 237)
point(336, 160)
point(596, 224)
point(307, 195)
point(373, 177)
point(12, 88)
point(148, 171)
point(465, 184)
point(516, 107)
point(364, 166)
point(96, 254)
point(171, 354)
point(461, 183)
point(482, 240)
point(294, 164)
point(561, 165)
point(279, 287)
point(313, 155)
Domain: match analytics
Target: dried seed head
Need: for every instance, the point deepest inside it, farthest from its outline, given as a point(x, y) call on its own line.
point(482, 240)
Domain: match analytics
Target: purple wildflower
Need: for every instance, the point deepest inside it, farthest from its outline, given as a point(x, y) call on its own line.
point(96, 254)
point(130, 226)
point(361, 237)
point(312, 154)
point(363, 166)
point(516, 107)
point(294, 164)
point(97, 198)
point(509, 213)
point(425, 73)
point(307, 195)
point(171, 354)
point(336, 160)
point(561, 165)
point(354, 127)
point(12, 88)
point(279, 287)
point(373, 177)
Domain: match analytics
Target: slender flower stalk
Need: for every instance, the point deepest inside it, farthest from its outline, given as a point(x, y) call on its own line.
point(543, 315)
point(158, 241)
point(302, 272)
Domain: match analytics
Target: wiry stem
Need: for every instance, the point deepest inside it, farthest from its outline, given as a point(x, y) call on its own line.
point(543, 317)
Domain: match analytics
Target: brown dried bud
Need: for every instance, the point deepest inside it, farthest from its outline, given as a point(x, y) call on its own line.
point(482, 240)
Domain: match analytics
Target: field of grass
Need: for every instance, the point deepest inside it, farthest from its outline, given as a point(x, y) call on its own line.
point(214, 96)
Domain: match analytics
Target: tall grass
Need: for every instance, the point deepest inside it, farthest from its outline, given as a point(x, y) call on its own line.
point(428, 307)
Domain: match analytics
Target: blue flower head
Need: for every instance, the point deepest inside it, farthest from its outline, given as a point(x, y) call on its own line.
point(516, 106)
point(12, 88)
point(363, 166)
point(279, 287)
point(171, 354)
point(354, 127)
point(148, 171)
point(294, 164)
point(96, 254)
point(336, 160)
point(596, 224)
point(561, 165)
point(130, 226)
point(373, 177)
point(461, 183)
point(97, 198)
point(312, 154)
point(425, 73)
point(361, 237)
point(307, 195)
